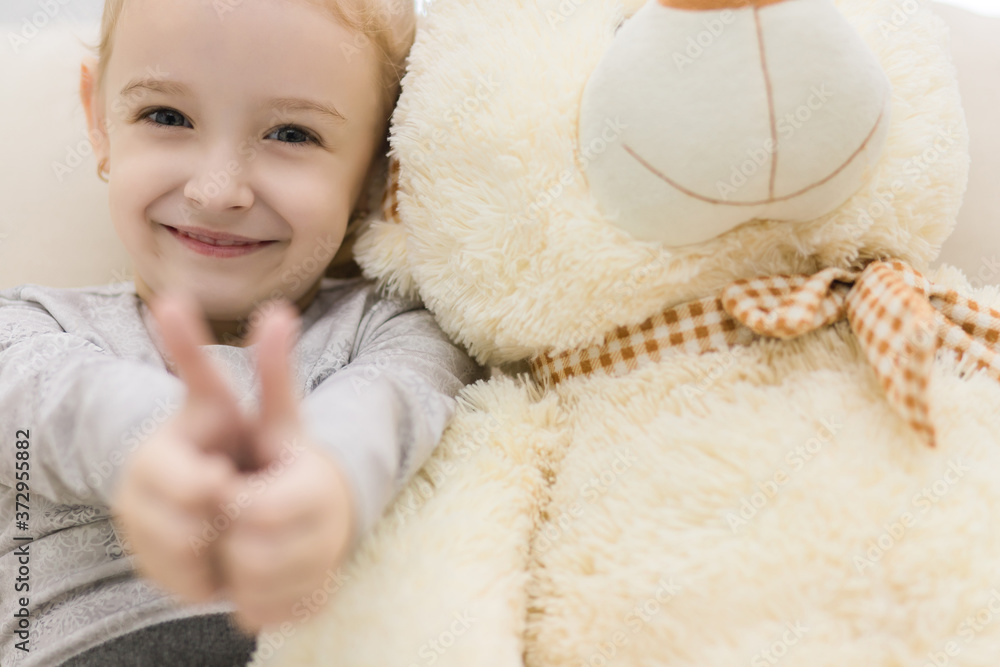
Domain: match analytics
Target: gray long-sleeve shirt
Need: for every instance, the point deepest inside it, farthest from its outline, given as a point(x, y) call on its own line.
point(82, 382)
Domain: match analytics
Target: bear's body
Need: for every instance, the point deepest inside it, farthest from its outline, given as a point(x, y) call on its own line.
point(697, 511)
point(709, 503)
point(758, 505)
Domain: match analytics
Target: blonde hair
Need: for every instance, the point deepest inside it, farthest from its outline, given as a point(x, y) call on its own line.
point(389, 25)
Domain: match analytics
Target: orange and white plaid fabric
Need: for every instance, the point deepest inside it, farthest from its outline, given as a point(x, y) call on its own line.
point(899, 317)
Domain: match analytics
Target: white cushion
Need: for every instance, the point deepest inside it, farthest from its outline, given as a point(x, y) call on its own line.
point(975, 245)
point(55, 228)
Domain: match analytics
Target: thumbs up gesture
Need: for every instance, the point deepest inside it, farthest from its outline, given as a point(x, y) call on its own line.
point(295, 511)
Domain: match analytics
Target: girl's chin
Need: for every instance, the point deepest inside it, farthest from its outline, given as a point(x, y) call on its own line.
point(222, 310)
point(220, 303)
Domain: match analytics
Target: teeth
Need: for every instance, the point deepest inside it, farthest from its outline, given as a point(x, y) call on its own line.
point(210, 241)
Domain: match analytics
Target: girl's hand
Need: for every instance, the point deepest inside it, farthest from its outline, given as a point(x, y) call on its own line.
point(175, 480)
point(288, 543)
point(299, 520)
point(169, 488)
point(288, 535)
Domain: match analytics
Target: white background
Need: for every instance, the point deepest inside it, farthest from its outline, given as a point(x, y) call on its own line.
point(16, 10)
point(987, 7)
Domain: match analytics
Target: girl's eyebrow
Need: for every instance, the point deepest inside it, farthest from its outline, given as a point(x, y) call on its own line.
point(297, 104)
point(156, 86)
point(281, 103)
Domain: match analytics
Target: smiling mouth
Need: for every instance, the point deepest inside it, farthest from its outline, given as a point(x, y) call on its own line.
point(205, 245)
point(211, 241)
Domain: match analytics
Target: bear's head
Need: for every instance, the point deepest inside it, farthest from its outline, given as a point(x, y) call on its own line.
point(567, 167)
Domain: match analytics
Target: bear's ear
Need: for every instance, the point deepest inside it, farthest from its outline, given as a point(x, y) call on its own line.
point(380, 248)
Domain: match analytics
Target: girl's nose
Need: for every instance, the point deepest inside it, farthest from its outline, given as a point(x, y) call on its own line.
point(716, 4)
point(220, 185)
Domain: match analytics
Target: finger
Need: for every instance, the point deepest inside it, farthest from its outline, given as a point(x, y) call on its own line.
point(284, 502)
point(246, 624)
point(212, 417)
point(170, 551)
point(269, 562)
point(307, 494)
point(263, 611)
point(265, 579)
point(279, 331)
point(170, 510)
point(184, 330)
point(188, 478)
point(279, 407)
point(262, 562)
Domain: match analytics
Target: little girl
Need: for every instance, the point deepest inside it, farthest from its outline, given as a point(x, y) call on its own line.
point(179, 425)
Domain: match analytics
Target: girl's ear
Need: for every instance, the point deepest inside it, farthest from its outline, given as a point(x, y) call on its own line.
point(93, 108)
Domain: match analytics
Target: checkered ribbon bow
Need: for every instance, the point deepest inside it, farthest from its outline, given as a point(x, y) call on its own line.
point(899, 317)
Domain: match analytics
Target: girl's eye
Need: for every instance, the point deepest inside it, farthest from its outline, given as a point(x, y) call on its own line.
point(167, 117)
point(293, 135)
point(289, 134)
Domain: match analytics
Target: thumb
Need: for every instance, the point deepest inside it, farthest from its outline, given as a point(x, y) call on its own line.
point(279, 400)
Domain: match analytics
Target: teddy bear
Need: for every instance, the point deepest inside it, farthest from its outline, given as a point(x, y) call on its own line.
point(736, 417)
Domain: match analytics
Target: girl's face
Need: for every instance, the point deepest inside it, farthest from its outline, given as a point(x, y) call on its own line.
point(250, 120)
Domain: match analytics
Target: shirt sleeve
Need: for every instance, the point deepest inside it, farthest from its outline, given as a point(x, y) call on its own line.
point(383, 413)
point(83, 408)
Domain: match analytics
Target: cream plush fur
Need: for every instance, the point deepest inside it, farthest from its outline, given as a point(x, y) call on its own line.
point(757, 506)
point(498, 277)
